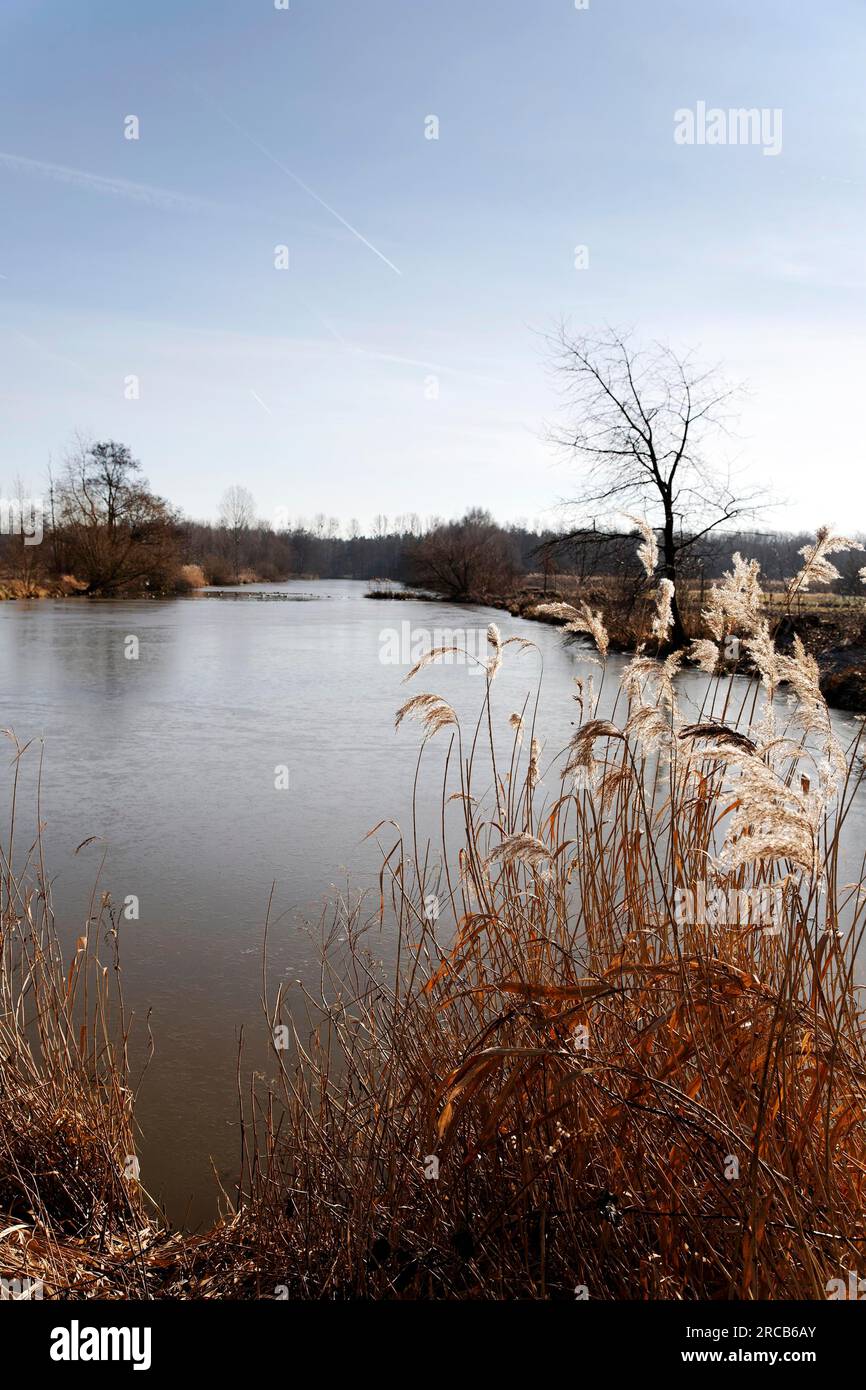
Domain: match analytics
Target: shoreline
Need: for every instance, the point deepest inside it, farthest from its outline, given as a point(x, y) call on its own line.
point(842, 667)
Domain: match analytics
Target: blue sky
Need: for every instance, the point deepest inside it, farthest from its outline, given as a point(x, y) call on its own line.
point(260, 127)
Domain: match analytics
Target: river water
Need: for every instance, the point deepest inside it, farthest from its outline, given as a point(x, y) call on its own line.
point(217, 746)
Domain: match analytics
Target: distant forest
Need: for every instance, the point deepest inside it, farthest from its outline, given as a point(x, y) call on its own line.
point(102, 532)
point(440, 554)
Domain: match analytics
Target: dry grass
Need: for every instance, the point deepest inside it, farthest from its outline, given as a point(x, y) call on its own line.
point(25, 588)
point(629, 607)
point(67, 1172)
point(563, 1080)
point(190, 577)
point(617, 1100)
point(63, 587)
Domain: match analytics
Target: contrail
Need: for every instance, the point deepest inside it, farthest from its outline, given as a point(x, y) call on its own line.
point(300, 182)
point(98, 183)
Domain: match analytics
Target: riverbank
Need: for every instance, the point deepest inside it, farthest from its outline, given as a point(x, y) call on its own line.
point(185, 580)
point(835, 636)
point(65, 587)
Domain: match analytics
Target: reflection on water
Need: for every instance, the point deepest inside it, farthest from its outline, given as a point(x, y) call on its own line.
point(171, 761)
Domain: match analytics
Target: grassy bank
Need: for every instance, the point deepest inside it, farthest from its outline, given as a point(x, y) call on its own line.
point(185, 580)
point(65, 587)
point(831, 627)
point(621, 1053)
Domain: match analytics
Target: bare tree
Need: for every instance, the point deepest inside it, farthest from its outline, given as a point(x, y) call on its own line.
point(237, 512)
point(109, 529)
point(52, 517)
point(640, 420)
point(465, 559)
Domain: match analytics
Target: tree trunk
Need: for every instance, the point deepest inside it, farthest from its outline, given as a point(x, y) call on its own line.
point(678, 636)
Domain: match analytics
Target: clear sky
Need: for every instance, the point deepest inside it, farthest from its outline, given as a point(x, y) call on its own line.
point(412, 258)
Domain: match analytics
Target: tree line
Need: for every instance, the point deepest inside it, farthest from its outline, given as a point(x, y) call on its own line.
point(638, 424)
point(104, 527)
